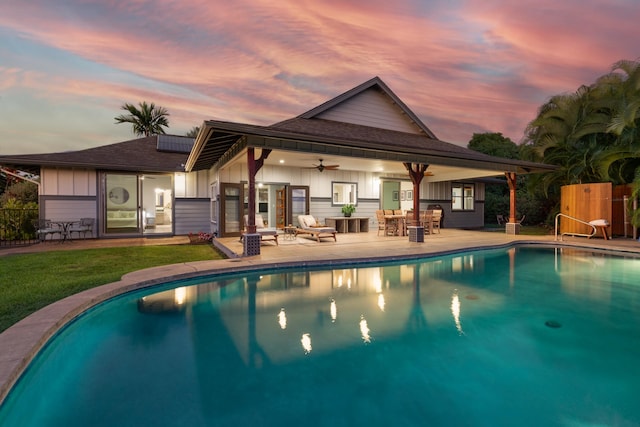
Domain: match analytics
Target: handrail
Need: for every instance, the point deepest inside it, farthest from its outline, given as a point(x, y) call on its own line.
point(595, 230)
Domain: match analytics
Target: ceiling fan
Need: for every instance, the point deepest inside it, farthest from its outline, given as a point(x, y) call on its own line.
point(322, 167)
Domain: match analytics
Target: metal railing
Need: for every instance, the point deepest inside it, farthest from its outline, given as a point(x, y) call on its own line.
point(595, 230)
point(16, 227)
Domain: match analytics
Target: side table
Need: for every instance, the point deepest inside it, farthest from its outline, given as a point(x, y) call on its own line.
point(290, 232)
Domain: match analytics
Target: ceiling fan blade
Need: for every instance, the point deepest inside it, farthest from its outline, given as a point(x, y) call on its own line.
point(331, 166)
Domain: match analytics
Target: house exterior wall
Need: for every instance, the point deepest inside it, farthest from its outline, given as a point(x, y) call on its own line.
point(191, 216)
point(58, 208)
point(68, 182)
point(368, 192)
point(192, 184)
point(72, 194)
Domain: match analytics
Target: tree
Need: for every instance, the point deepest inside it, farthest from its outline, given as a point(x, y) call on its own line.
point(496, 201)
point(193, 132)
point(592, 135)
point(494, 144)
point(147, 120)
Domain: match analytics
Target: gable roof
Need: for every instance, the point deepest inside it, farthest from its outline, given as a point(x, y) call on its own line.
point(157, 153)
point(351, 96)
point(344, 134)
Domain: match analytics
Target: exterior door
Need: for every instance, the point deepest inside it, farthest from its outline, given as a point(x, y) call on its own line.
point(231, 209)
point(297, 203)
point(121, 204)
point(390, 195)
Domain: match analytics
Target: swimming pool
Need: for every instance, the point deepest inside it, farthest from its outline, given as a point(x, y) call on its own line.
point(521, 336)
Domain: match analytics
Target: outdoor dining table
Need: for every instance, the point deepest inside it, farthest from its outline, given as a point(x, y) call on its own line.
point(398, 220)
point(65, 225)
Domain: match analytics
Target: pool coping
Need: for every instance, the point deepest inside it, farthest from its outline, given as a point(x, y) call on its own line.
point(20, 343)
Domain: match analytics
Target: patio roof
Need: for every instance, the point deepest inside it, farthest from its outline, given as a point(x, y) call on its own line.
point(316, 132)
point(219, 142)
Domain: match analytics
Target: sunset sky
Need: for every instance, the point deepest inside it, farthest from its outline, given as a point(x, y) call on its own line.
point(462, 66)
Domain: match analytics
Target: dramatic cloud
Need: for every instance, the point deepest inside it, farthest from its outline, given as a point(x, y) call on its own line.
point(463, 67)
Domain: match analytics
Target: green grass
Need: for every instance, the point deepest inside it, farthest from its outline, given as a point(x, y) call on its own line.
point(29, 282)
point(527, 230)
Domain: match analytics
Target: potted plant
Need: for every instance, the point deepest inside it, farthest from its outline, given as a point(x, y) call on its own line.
point(348, 209)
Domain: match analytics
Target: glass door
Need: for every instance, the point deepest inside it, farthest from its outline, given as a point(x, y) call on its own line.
point(157, 204)
point(231, 209)
point(298, 202)
point(121, 201)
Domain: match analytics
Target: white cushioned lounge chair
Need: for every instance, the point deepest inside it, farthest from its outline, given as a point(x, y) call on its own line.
point(309, 225)
point(265, 233)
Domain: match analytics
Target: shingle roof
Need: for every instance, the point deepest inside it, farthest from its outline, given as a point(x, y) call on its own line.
point(140, 155)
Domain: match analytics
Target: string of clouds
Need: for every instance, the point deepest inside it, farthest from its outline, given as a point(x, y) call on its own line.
point(463, 66)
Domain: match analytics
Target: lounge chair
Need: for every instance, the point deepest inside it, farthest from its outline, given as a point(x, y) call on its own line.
point(264, 232)
point(309, 225)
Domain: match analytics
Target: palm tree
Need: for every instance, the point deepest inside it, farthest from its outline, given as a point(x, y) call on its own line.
point(193, 132)
point(148, 120)
point(569, 132)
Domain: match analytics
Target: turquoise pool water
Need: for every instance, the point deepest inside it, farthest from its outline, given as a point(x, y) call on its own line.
point(525, 336)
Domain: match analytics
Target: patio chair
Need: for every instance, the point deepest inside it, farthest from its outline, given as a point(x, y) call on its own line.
point(500, 219)
point(309, 225)
point(45, 227)
point(387, 227)
point(264, 232)
point(410, 222)
point(84, 227)
point(426, 220)
point(436, 217)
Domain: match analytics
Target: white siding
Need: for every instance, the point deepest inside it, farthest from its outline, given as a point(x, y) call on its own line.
point(319, 183)
point(68, 182)
point(65, 209)
point(192, 184)
point(371, 108)
point(191, 216)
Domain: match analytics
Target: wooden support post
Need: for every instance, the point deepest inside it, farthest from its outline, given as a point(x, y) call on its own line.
point(512, 226)
point(252, 240)
point(416, 173)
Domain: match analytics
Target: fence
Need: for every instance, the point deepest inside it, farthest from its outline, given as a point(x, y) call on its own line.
point(17, 228)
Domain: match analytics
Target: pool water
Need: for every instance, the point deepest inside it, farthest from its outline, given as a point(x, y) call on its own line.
point(526, 336)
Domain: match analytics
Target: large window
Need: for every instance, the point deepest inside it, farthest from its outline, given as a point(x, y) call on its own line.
point(462, 196)
point(344, 193)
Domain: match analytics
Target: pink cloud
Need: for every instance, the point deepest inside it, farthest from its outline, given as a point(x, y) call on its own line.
point(480, 66)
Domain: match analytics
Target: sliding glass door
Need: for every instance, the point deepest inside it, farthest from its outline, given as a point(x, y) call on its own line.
point(121, 204)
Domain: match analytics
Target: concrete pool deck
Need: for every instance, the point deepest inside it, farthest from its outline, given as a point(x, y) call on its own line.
point(21, 342)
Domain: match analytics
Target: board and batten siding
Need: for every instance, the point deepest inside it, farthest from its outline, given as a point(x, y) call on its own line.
point(371, 108)
point(68, 182)
point(192, 215)
point(191, 184)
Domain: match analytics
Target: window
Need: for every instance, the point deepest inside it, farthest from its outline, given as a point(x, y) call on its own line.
point(462, 197)
point(344, 193)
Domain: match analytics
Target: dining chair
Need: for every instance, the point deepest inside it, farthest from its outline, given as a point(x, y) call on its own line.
point(426, 220)
point(436, 218)
point(409, 221)
point(386, 226)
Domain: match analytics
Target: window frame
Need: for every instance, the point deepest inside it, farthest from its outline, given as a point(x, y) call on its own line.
point(336, 200)
point(463, 199)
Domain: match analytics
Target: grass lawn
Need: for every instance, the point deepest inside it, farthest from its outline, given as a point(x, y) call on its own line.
point(31, 281)
point(527, 230)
